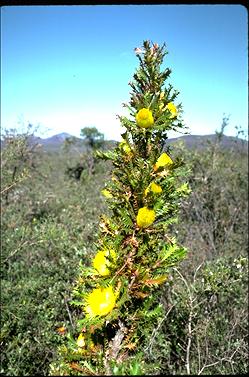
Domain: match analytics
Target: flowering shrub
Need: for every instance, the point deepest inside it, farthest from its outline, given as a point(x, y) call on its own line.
point(119, 295)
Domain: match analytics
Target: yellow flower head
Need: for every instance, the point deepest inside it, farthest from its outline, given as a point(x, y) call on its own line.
point(156, 189)
point(123, 144)
point(100, 301)
point(144, 118)
point(162, 161)
point(145, 217)
point(106, 193)
point(81, 341)
point(101, 261)
point(171, 107)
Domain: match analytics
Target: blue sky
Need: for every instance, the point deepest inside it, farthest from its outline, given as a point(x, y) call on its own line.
point(68, 67)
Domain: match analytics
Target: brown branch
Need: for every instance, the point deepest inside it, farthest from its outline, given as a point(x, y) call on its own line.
point(114, 347)
point(124, 265)
point(8, 188)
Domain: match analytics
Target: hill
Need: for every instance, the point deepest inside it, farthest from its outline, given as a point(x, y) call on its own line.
point(55, 142)
point(200, 141)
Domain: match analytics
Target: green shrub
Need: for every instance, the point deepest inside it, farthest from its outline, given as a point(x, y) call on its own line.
point(205, 327)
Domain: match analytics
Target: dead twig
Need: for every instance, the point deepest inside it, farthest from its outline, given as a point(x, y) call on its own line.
point(20, 246)
point(68, 311)
point(191, 301)
point(148, 348)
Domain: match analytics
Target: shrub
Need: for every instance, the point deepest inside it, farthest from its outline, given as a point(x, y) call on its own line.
point(120, 294)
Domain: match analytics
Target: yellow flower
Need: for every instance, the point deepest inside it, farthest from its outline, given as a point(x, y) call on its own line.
point(123, 144)
point(100, 301)
point(171, 107)
point(162, 161)
point(145, 217)
point(144, 118)
point(156, 189)
point(101, 261)
point(146, 191)
point(107, 194)
point(81, 341)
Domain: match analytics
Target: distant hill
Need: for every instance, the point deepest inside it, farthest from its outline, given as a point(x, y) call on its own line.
point(56, 139)
point(191, 141)
point(200, 141)
point(55, 142)
point(51, 143)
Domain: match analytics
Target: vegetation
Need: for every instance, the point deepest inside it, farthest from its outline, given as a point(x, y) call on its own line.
point(50, 236)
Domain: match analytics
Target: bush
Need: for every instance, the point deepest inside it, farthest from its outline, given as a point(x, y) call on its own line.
point(205, 329)
point(48, 224)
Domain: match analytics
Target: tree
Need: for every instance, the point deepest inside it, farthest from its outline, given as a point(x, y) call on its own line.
point(94, 138)
point(18, 160)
